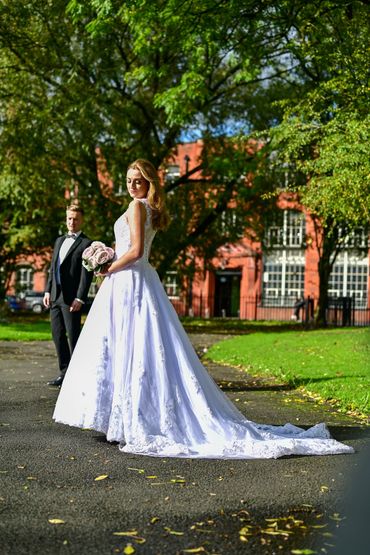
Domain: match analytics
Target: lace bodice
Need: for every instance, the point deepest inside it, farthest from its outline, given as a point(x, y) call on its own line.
point(122, 233)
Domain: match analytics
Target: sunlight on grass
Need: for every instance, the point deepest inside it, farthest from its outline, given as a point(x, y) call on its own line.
point(25, 331)
point(333, 364)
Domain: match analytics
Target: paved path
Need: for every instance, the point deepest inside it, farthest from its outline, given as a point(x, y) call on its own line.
point(48, 471)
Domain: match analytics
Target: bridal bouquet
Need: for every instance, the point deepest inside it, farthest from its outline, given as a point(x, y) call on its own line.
point(96, 256)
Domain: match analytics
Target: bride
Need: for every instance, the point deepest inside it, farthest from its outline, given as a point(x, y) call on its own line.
point(134, 374)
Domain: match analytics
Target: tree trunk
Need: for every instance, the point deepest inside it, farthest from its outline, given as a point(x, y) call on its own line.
point(328, 253)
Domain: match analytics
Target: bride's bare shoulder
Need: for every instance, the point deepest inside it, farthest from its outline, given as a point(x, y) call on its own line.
point(136, 207)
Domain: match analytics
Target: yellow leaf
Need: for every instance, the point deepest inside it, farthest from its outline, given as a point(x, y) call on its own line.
point(101, 477)
point(194, 550)
point(138, 539)
point(129, 549)
point(173, 532)
point(139, 470)
point(303, 551)
point(31, 478)
point(177, 481)
point(154, 519)
point(324, 489)
point(151, 477)
point(56, 521)
point(130, 533)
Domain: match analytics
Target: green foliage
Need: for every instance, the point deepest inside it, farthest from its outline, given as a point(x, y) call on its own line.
point(324, 132)
point(90, 81)
point(114, 81)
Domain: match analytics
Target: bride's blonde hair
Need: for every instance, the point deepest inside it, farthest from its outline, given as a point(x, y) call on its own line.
point(155, 194)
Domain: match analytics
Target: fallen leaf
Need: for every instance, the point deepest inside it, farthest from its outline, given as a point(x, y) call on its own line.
point(130, 533)
point(194, 550)
point(31, 478)
point(154, 519)
point(140, 470)
point(303, 551)
point(337, 517)
point(151, 477)
point(129, 549)
point(324, 489)
point(139, 539)
point(173, 532)
point(56, 521)
point(101, 477)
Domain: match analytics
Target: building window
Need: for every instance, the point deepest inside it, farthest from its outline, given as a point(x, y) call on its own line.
point(349, 278)
point(284, 266)
point(24, 278)
point(172, 173)
point(283, 278)
point(288, 230)
point(171, 285)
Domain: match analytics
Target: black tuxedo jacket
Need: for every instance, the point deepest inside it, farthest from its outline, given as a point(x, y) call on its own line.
point(75, 280)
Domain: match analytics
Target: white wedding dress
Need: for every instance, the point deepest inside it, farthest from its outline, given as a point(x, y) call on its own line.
point(135, 376)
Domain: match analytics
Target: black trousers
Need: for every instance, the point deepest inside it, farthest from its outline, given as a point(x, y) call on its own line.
point(65, 329)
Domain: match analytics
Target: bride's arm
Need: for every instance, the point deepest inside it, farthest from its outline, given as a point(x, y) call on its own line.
point(136, 216)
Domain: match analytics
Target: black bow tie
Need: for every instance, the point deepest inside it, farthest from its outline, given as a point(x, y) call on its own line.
point(72, 235)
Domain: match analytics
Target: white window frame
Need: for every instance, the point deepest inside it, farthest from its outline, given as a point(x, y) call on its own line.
point(290, 233)
point(287, 290)
point(349, 286)
point(174, 284)
point(288, 253)
point(24, 275)
point(172, 172)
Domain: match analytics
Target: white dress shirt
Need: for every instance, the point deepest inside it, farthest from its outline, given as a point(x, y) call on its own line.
point(63, 251)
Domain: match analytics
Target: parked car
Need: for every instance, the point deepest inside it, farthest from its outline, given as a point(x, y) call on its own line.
point(14, 303)
point(33, 301)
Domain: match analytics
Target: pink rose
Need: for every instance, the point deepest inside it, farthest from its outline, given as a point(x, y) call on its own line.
point(93, 262)
point(89, 251)
point(102, 257)
point(97, 245)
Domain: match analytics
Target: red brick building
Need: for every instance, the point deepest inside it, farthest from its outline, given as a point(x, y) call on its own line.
point(248, 283)
point(245, 281)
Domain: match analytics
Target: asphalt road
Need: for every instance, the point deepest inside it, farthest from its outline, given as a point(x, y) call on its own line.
point(165, 506)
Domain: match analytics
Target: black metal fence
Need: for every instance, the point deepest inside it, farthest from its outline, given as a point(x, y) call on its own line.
point(341, 311)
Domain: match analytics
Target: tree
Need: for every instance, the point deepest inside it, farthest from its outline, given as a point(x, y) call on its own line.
point(133, 79)
point(324, 131)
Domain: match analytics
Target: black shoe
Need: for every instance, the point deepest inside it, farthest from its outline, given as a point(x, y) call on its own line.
point(57, 382)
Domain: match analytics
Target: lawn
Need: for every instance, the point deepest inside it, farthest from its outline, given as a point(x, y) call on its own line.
point(333, 364)
point(27, 329)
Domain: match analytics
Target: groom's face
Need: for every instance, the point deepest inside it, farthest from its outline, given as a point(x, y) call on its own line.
point(74, 221)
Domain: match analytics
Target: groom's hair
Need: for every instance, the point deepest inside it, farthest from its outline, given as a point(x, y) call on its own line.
point(75, 207)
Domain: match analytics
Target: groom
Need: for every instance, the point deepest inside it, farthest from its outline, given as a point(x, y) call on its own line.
point(67, 288)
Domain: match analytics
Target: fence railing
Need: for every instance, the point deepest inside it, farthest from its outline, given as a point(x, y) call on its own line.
point(341, 311)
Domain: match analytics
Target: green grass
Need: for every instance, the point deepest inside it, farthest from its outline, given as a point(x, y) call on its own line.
point(25, 330)
point(333, 364)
